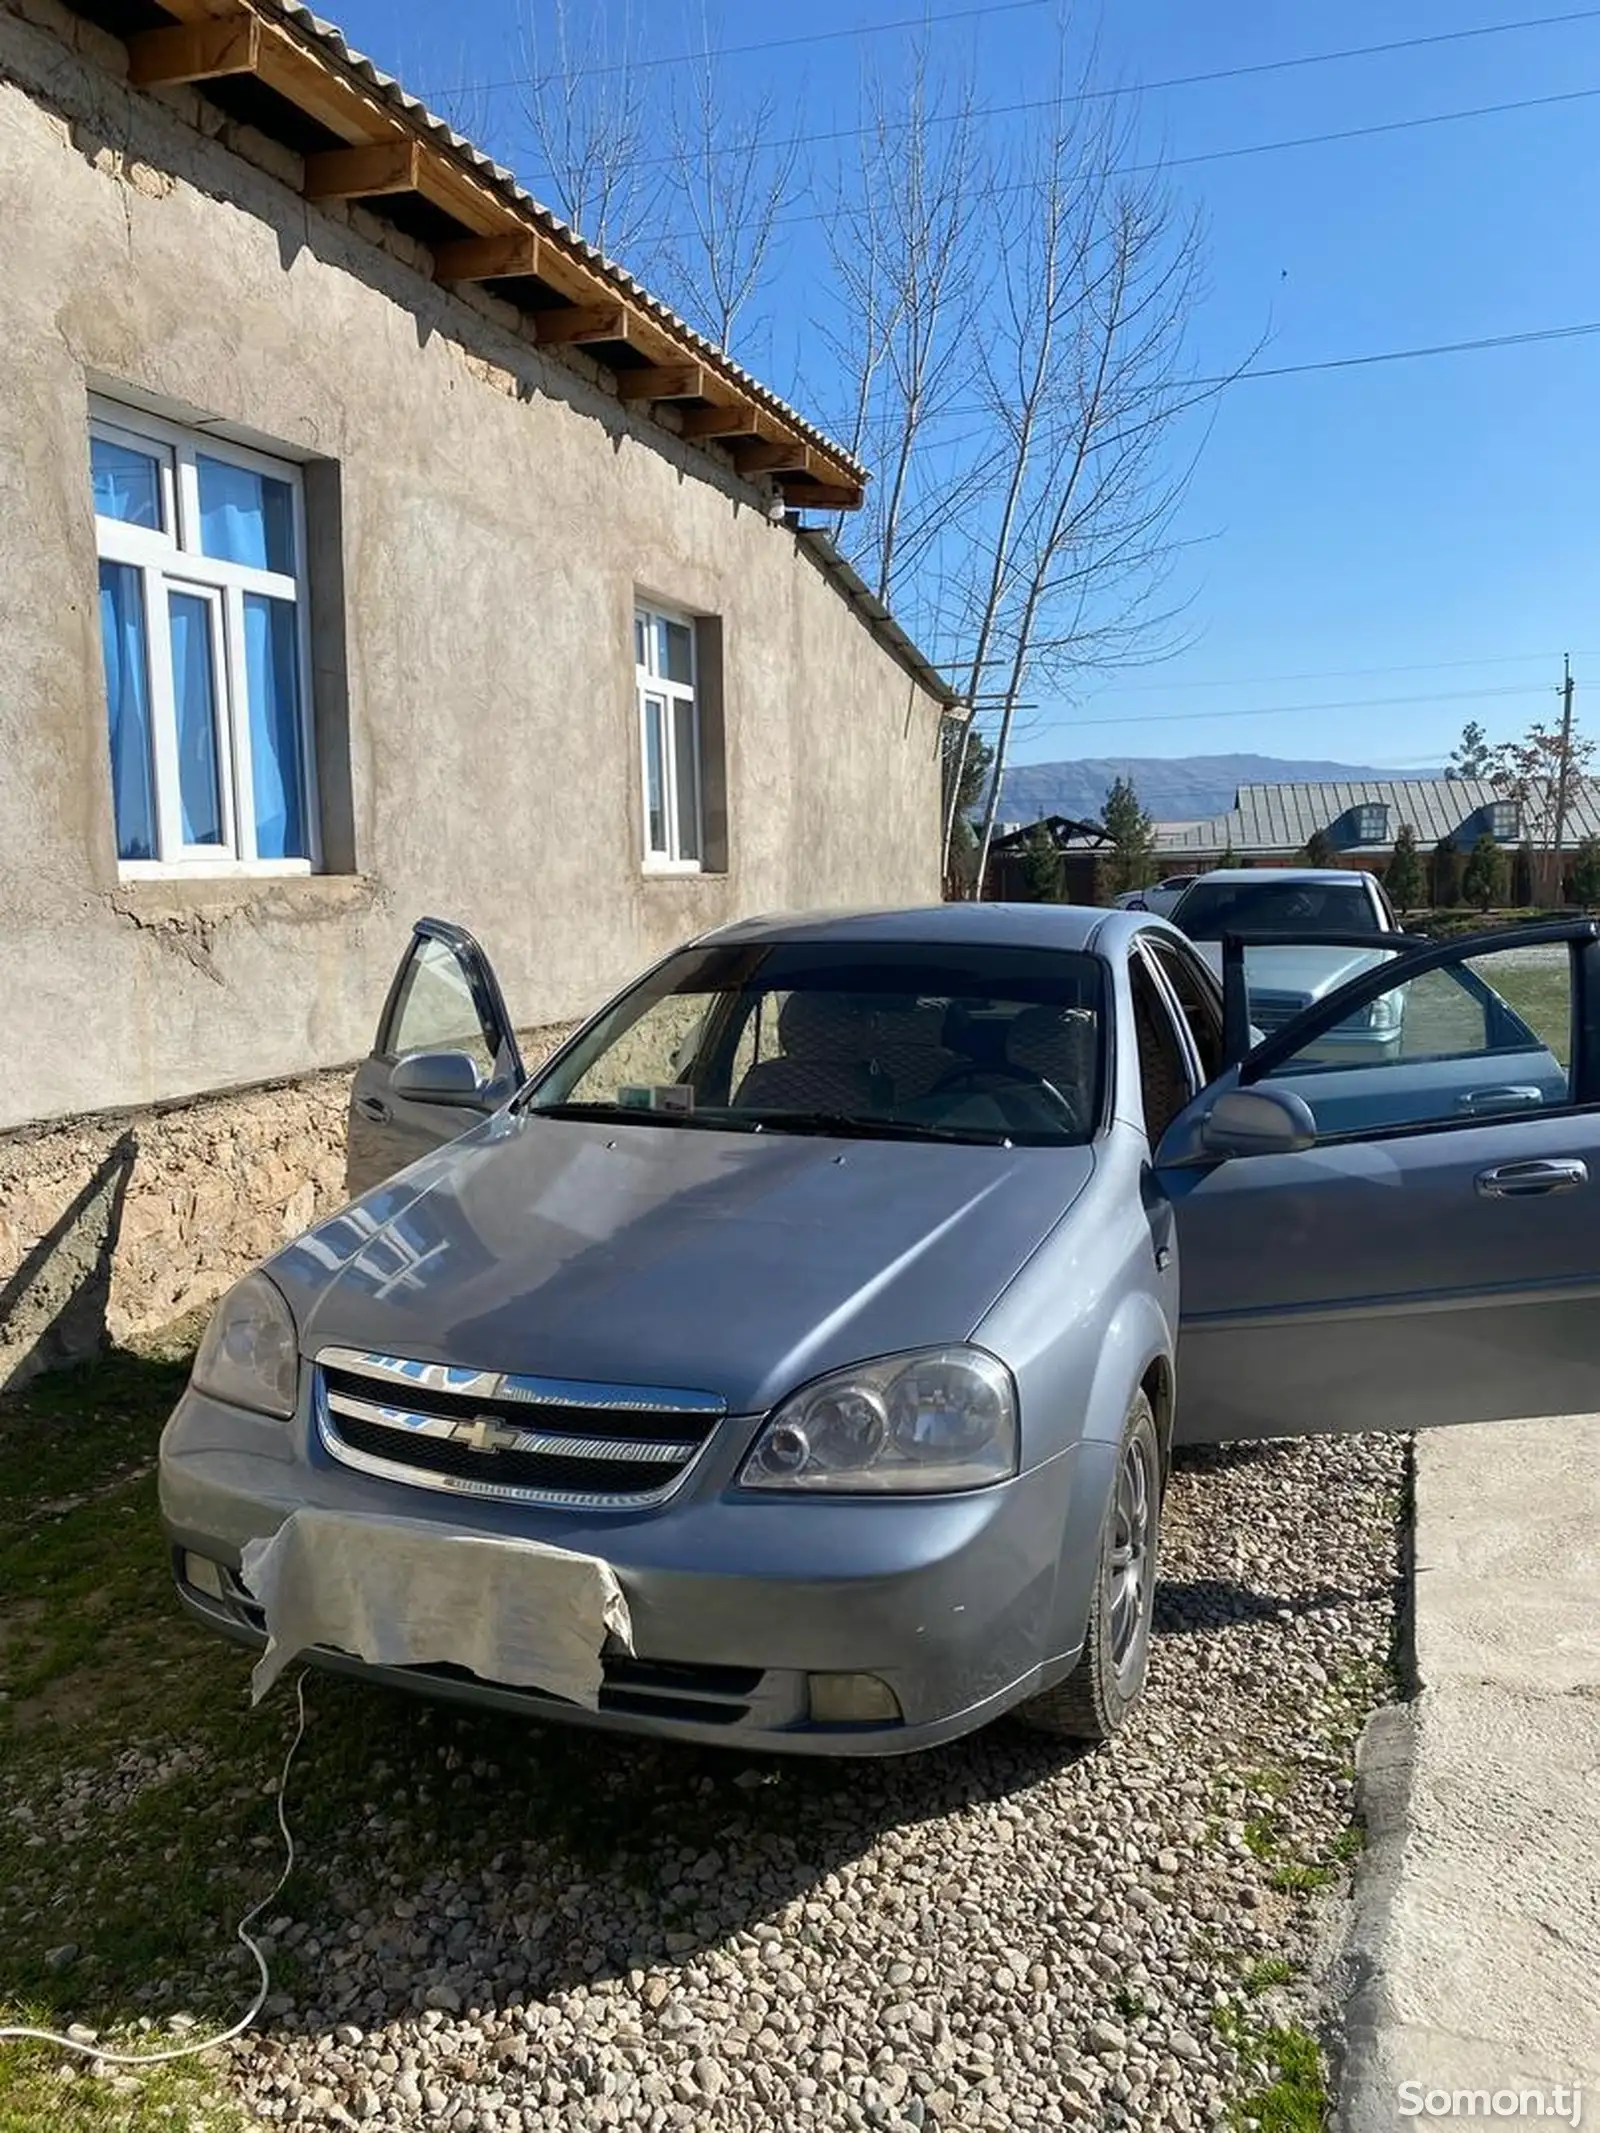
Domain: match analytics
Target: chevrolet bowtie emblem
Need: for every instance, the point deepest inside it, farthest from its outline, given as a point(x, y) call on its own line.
point(484, 1434)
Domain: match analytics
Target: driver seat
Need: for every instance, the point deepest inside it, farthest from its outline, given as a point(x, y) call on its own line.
point(1056, 1044)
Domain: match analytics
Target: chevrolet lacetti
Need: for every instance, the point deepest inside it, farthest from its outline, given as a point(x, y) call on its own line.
point(795, 1359)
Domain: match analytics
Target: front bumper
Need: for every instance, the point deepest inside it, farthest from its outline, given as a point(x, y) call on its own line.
point(961, 1605)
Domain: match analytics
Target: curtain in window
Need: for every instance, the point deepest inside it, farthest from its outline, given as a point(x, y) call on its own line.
point(123, 645)
point(127, 484)
point(194, 695)
point(272, 680)
point(655, 775)
point(245, 517)
point(686, 769)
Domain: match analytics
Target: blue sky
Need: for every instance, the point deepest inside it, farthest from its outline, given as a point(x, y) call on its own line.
point(1414, 530)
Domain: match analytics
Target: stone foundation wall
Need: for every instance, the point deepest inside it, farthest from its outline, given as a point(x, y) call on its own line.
point(113, 1227)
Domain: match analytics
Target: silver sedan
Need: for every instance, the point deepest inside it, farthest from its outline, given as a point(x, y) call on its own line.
point(833, 1300)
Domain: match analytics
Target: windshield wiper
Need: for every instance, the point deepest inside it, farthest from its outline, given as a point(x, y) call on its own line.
point(850, 1125)
point(640, 1115)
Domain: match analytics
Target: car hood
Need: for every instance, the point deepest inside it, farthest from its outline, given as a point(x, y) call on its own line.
point(1303, 973)
point(731, 1263)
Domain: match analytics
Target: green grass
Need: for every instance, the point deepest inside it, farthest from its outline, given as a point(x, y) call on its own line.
point(1296, 1878)
point(136, 1816)
point(1294, 2096)
point(1261, 1835)
point(137, 1821)
point(1266, 1975)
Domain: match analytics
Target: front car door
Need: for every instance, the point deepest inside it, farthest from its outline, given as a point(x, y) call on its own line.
point(444, 998)
point(1434, 1255)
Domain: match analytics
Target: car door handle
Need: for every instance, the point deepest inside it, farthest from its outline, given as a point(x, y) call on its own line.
point(373, 1107)
point(1527, 1181)
point(1507, 1096)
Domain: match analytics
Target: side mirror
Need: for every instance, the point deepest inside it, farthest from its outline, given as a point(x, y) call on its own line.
point(438, 1078)
point(1257, 1122)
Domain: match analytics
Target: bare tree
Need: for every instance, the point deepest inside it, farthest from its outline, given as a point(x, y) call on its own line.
point(1538, 772)
point(1085, 373)
point(731, 175)
point(589, 117)
point(460, 100)
point(909, 244)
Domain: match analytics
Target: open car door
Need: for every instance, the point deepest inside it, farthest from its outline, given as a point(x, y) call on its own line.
point(445, 1002)
point(1388, 1211)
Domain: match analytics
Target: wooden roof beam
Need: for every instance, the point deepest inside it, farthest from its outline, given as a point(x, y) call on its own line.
point(739, 420)
point(663, 381)
point(195, 51)
point(575, 324)
point(490, 258)
point(790, 457)
point(365, 173)
point(822, 495)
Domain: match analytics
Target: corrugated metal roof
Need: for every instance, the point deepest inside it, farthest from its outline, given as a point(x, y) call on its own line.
point(1284, 818)
point(328, 35)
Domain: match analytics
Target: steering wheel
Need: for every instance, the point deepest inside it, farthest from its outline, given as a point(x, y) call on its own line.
point(995, 1080)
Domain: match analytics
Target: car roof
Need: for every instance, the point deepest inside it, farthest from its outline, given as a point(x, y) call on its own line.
point(1085, 927)
point(1285, 874)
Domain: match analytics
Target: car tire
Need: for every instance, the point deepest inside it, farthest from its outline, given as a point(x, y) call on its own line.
point(1093, 1701)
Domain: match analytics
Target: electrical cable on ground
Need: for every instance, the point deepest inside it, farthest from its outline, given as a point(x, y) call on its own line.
point(108, 2057)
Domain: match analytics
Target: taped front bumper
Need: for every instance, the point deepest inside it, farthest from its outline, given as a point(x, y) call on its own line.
point(960, 1605)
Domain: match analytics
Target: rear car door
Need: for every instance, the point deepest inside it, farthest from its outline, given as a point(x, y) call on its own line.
point(1433, 1255)
point(444, 998)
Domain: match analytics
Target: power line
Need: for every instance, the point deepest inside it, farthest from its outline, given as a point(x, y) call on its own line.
point(1223, 155)
point(768, 44)
point(1529, 339)
point(1418, 666)
point(1359, 703)
point(1410, 355)
point(1010, 7)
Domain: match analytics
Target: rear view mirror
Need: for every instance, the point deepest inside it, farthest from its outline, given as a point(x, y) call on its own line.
point(437, 1078)
point(1257, 1122)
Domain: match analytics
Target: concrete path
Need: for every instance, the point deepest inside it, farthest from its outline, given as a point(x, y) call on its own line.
point(1474, 1959)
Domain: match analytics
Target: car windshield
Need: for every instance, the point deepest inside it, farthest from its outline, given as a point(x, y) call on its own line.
point(1213, 908)
point(887, 1040)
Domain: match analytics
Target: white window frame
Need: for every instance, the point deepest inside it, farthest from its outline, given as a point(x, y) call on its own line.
point(169, 560)
point(651, 684)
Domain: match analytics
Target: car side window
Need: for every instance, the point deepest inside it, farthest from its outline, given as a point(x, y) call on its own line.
point(1201, 1008)
point(1163, 1073)
point(434, 1010)
point(1485, 1036)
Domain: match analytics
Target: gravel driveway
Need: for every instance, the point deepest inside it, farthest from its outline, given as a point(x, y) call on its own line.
point(995, 1935)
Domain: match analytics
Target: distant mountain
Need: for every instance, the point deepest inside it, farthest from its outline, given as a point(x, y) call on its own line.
point(1170, 788)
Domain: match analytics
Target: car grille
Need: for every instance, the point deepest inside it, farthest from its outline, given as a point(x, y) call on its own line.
point(537, 1440)
point(1269, 1011)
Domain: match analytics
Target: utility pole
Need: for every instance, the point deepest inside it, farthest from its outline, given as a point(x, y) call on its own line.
point(1562, 770)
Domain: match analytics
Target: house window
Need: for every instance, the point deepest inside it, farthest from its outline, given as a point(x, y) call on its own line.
point(203, 619)
point(669, 740)
point(1372, 823)
point(1504, 821)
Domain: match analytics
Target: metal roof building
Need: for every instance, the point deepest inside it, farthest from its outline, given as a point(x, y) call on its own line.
point(1364, 816)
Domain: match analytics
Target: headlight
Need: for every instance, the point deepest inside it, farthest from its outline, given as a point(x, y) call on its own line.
point(905, 1425)
point(1382, 1014)
point(250, 1355)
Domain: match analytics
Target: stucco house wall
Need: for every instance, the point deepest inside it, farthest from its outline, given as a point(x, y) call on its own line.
point(481, 518)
